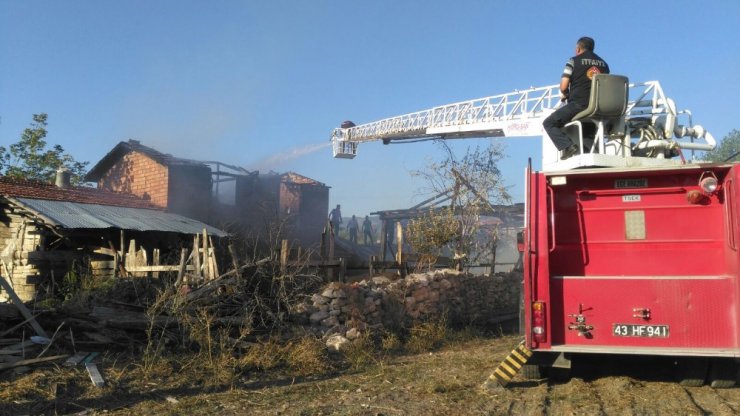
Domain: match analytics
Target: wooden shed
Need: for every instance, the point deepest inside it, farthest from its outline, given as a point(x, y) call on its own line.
point(46, 231)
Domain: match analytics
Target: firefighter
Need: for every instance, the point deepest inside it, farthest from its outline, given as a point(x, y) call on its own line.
point(335, 217)
point(367, 230)
point(352, 227)
point(575, 88)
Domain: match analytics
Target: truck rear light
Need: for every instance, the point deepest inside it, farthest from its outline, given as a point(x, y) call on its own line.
point(708, 182)
point(709, 185)
point(696, 197)
point(539, 334)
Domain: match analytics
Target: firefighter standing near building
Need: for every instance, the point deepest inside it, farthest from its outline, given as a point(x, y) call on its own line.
point(353, 227)
point(575, 87)
point(367, 230)
point(335, 217)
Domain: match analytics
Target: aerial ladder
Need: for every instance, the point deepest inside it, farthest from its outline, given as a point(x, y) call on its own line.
point(645, 133)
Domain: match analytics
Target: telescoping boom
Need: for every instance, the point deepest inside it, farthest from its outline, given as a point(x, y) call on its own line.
point(648, 127)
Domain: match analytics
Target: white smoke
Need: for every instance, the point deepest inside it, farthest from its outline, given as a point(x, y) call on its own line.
point(287, 155)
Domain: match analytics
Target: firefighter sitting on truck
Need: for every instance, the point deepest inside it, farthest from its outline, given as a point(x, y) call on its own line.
point(575, 87)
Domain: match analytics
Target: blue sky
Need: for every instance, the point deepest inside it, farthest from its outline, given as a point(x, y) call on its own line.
point(247, 82)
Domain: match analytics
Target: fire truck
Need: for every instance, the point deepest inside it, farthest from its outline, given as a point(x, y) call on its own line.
point(630, 247)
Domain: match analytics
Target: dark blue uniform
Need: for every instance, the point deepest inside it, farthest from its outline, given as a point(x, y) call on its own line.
point(580, 69)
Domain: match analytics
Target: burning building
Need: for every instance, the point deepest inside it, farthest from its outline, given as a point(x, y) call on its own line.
point(296, 204)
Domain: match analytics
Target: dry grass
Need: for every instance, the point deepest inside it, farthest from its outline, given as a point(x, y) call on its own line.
point(307, 356)
point(304, 356)
point(391, 343)
point(427, 336)
point(360, 353)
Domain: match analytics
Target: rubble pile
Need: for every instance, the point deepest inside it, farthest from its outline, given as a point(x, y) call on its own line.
point(377, 303)
point(252, 297)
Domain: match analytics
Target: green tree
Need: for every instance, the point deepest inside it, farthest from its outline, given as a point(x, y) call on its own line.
point(29, 158)
point(728, 148)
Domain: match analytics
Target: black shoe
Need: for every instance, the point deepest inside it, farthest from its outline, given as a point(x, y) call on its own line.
point(569, 151)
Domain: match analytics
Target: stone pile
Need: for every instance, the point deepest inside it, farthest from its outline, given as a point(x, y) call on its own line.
point(377, 303)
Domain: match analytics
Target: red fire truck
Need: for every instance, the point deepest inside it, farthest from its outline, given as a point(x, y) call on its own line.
point(630, 246)
point(635, 261)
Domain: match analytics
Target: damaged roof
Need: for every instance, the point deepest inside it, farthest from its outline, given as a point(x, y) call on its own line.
point(10, 187)
point(75, 215)
point(122, 148)
point(92, 208)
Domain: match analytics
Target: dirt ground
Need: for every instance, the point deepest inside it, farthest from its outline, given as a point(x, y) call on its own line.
point(447, 381)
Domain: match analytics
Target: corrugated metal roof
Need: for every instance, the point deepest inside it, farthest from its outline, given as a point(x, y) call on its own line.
point(75, 215)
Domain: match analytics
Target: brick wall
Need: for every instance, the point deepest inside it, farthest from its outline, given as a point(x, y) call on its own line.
point(138, 174)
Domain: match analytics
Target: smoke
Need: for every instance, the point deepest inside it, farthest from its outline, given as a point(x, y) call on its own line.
point(286, 156)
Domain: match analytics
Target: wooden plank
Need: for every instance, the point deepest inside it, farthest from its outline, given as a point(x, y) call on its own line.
point(24, 311)
point(160, 268)
point(131, 255)
point(181, 268)
point(143, 259)
point(196, 253)
point(284, 248)
point(75, 359)
point(90, 357)
point(155, 261)
point(18, 348)
point(32, 361)
point(207, 272)
point(118, 259)
point(95, 376)
point(105, 251)
point(213, 258)
point(399, 242)
point(9, 330)
point(383, 239)
point(103, 264)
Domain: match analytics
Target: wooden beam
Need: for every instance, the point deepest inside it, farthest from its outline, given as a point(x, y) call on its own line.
point(19, 304)
point(196, 253)
point(383, 238)
point(207, 272)
point(181, 267)
point(284, 248)
point(155, 261)
point(160, 268)
point(399, 242)
point(213, 258)
point(105, 251)
point(32, 361)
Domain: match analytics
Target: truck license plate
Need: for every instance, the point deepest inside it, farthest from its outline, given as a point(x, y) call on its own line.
point(646, 331)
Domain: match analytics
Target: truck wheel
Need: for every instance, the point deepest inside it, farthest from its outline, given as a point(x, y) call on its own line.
point(692, 372)
point(532, 372)
point(723, 373)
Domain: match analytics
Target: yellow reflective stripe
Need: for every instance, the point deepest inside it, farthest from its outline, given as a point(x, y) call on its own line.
point(524, 350)
point(501, 376)
point(514, 363)
point(519, 357)
point(509, 369)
